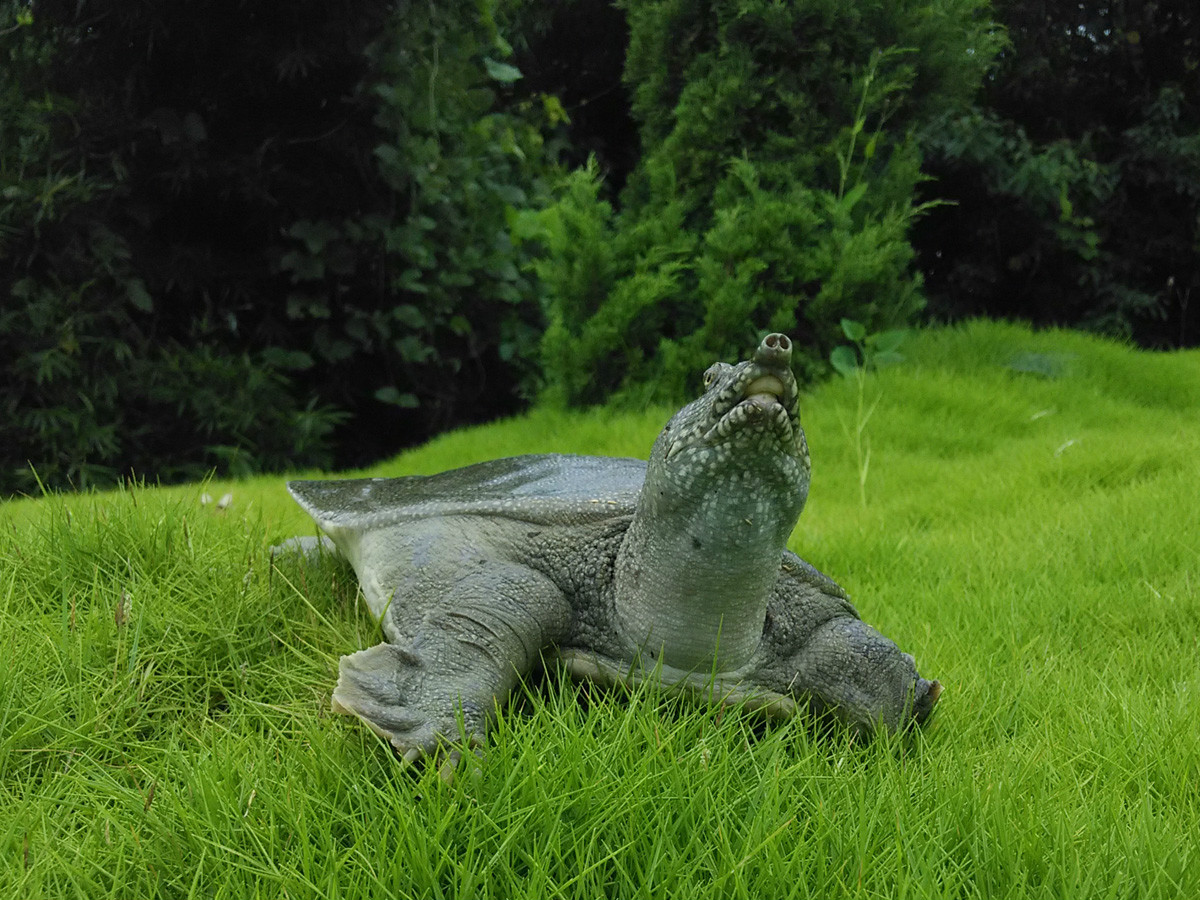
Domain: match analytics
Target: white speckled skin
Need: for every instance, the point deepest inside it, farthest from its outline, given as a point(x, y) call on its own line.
point(726, 481)
point(677, 568)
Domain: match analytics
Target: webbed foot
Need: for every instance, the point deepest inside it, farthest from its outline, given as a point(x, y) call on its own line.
point(417, 711)
point(464, 659)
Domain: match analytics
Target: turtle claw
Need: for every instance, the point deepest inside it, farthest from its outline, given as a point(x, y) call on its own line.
point(450, 766)
point(451, 760)
point(448, 771)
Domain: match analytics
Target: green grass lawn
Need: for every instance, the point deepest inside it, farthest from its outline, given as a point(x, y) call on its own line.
point(1030, 534)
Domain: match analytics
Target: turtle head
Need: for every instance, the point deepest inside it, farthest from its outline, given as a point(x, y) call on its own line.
point(742, 435)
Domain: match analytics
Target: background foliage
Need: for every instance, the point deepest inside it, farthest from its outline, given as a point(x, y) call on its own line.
point(226, 235)
point(774, 191)
point(307, 234)
point(1076, 176)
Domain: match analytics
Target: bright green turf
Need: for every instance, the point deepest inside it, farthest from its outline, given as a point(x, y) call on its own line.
point(1034, 541)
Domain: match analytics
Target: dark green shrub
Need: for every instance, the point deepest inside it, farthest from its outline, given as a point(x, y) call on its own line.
point(239, 241)
point(775, 190)
point(1076, 177)
point(99, 376)
point(426, 295)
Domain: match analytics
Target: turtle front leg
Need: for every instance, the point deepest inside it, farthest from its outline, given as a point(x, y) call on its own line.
point(465, 658)
point(817, 650)
point(849, 668)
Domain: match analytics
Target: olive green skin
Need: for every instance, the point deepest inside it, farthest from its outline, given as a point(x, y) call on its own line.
point(676, 569)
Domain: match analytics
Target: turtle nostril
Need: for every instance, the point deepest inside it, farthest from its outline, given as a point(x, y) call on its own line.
point(775, 349)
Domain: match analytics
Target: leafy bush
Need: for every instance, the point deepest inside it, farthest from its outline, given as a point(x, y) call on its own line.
point(89, 398)
point(428, 285)
point(775, 190)
point(1077, 193)
point(239, 241)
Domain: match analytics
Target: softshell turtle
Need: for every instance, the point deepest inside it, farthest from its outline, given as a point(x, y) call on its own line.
point(676, 568)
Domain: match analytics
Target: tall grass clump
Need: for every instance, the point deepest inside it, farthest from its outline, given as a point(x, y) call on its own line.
point(1029, 536)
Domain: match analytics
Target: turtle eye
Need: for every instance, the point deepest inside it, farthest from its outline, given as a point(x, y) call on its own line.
point(714, 370)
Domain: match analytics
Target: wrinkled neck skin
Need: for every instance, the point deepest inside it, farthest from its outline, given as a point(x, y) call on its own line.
point(702, 554)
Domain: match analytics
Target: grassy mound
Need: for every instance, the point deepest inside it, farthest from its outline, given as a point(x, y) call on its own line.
point(1027, 527)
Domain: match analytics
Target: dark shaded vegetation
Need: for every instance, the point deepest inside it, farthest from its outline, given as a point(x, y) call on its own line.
point(248, 236)
point(1076, 176)
point(251, 237)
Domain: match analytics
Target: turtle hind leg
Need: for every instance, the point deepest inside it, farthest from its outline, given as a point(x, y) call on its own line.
point(465, 658)
point(307, 547)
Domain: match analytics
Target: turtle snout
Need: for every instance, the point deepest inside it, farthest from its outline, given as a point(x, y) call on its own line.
point(775, 350)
